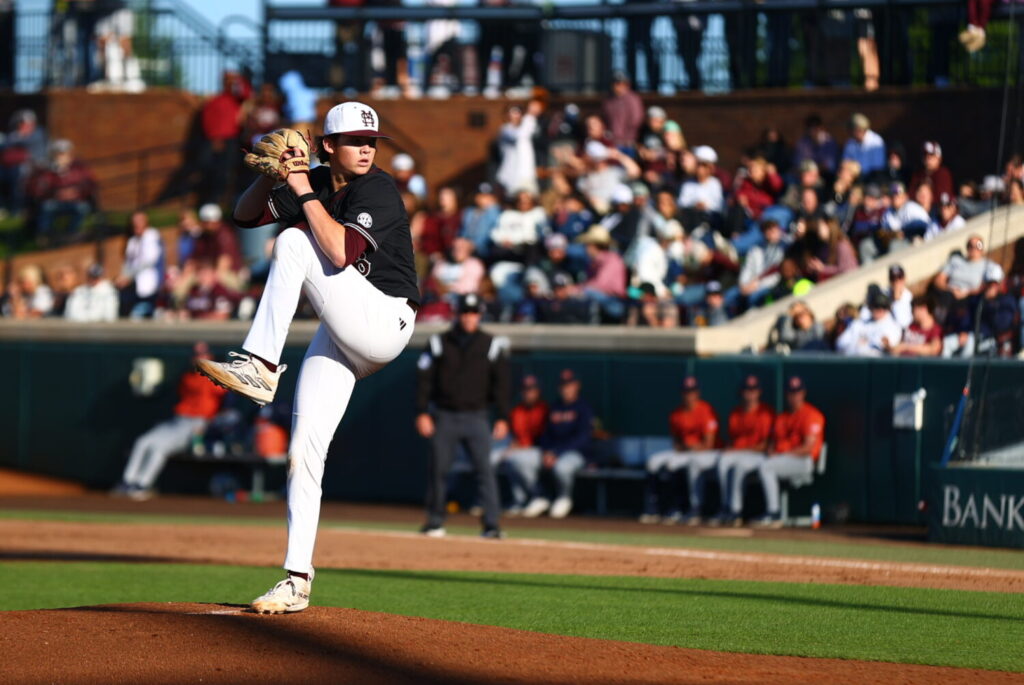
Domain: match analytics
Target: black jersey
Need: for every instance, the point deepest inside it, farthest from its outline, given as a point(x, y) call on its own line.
point(370, 205)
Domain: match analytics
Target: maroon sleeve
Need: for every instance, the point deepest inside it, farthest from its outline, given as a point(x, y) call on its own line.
point(355, 246)
point(262, 220)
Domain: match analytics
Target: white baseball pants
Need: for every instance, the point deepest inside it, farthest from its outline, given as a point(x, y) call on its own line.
point(733, 467)
point(781, 467)
point(361, 330)
point(152, 449)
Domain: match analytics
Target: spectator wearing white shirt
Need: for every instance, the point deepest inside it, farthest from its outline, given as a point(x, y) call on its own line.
point(516, 240)
point(701, 198)
point(899, 296)
point(140, 276)
point(903, 221)
point(518, 167)
point(871, 337)
point(604, 169)
point(28, 297)
point(403, 170)
point(760, 271)
point(949, 218)
point(94, 300)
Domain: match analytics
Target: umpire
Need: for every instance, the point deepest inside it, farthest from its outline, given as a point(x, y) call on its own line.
point(461, 374)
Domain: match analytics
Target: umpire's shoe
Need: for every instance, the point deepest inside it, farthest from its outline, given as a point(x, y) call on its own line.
point(246, 375)
point(287, 597)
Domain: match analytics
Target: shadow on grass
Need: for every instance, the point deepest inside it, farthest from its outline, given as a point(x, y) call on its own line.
point(773, 597)
point(45, 555)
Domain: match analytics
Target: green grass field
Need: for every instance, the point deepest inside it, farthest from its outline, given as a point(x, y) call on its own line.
point(937, 627)
point(921, 554)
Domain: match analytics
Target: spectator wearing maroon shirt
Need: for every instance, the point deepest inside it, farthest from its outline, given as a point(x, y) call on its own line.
point(218, 245)
point(64, 188)
point(932, 172)
point(208, 299)
point(624, 113)
point(221, 119)
point(923, 338)
point(441, 226)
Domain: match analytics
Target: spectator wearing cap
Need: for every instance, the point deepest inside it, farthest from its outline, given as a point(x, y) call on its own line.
point(963, 277)
point(948, 218)
point(606, 282)
point(760, 270)
point(750, 433)
point(797, 331)
point(865, 146)
point(816, 145)
point(403, 170)
point(563, 307)
point(141, 271)
point(517, 167)
point(900, 297)
point(480, 219)
point(713, 312)
point(985, 325)
point(93, 301)
point(923, 337)
point(693, 426)
point(623, 111)
point(701, 197)
point(905, 218)
point(652, 146)
point(63, 189)
point(932, 171)
point(558, 258)
point(798, 437)
point(867, 222)
point(199, 401)
point(871, 337)
point(21, 149)
point(461, 374)
point(562, 447)
point(218, 244)
point(603, 169)
point(623, 217)
point(528, 420)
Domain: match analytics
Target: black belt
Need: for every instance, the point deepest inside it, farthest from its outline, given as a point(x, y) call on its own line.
point(412, 305)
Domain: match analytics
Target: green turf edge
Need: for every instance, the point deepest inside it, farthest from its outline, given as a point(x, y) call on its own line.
point(903, 625)
point(892, 552)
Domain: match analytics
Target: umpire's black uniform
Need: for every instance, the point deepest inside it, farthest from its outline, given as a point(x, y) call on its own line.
point(460, 374)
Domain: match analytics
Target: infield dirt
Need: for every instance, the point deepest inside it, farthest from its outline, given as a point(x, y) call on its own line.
point(175, 643)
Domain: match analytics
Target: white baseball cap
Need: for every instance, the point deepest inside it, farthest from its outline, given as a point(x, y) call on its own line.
point(210, 212)
point(402, 162)
point(354, 119)
point(622, 194)
point(596, 150)
point(706, 154)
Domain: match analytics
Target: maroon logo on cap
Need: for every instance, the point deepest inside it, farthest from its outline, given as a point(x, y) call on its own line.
point(367, 118)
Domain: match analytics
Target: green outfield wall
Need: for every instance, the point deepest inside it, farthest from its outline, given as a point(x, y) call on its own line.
point(66, 409)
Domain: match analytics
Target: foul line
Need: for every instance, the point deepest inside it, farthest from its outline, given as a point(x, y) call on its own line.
point(708, 555)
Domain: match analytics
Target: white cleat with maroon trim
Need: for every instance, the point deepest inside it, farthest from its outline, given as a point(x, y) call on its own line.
point(287, 597)
point(246, 375)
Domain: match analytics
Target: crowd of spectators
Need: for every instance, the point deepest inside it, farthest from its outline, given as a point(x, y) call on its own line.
point(613, 217)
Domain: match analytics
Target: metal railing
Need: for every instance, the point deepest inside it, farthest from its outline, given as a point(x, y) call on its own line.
point(726, 44)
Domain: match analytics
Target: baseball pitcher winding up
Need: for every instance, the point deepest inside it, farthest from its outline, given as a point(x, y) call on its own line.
point(348, 247)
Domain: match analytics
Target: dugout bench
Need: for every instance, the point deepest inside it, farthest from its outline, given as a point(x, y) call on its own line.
point(633, 451)
point(256, 465)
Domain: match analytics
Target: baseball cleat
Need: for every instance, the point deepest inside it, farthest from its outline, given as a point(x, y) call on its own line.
point(649, 518)
point(561, 508)
point(770, 522)
point(246, 375)
point(536, 507)
point(433, 531)
point(492, 533)
point(287, 597)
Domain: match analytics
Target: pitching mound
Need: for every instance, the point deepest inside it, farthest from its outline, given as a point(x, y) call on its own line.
point(174, 643)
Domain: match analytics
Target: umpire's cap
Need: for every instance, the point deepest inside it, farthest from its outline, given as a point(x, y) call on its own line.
point(354, 119)
point(470, 303)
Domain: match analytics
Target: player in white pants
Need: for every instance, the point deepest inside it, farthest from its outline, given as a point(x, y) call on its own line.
point(750, 433)
point(694, 429)
point(349, 250)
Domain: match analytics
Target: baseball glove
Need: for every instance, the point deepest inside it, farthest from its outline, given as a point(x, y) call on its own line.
point(282, 152)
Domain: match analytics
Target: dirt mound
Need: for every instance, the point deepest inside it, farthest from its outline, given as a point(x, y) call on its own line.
point(16, 483)
point(173, 643)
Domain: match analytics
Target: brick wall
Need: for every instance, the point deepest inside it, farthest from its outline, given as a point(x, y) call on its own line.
point(449, 139)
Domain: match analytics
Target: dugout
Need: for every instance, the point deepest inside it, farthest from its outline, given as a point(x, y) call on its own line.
point(67, 409)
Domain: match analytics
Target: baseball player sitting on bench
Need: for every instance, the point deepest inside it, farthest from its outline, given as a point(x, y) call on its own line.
point(348, 248)
point(750, 431)
point(797, 438)
point(694, 429)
